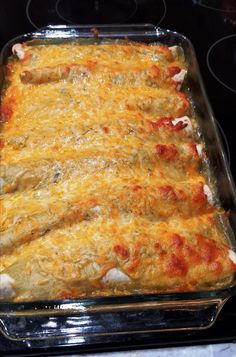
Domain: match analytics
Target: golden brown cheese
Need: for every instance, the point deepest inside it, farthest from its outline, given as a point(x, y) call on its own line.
point(107, 256)
point(101, 173)
point(165, 161)
point(107, 196)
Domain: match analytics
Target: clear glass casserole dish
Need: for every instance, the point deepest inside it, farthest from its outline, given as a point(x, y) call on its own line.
point(101, 319)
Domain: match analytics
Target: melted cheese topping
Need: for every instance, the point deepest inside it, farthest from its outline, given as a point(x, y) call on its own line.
point(101, 188)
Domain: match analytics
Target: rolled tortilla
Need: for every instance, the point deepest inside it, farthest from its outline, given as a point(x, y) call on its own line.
point(153, 76)
point(54, 74)
point(154, 199)
point(109, 256)
point(161, 158)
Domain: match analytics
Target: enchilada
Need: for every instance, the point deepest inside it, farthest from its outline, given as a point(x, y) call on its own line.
point(103, 186)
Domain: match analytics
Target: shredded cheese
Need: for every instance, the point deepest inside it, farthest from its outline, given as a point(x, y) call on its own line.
point(102, 192)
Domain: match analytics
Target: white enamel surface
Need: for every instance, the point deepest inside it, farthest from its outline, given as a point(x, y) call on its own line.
point(185, 120)
point(6, 290)
point(208, 193)
point(232, 256)
point(18, 50)
point(199, 149)
point(115, 276)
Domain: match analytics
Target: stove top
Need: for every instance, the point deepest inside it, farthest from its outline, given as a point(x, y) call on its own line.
point(211, 26)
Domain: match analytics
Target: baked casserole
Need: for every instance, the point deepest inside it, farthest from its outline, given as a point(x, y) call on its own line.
point(104, 189)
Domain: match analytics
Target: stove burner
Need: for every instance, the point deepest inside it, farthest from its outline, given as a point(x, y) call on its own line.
point(218, 5)
point(221, 61)
point(164, 12)
point(28, 15)
point(42, 13)
point(96, 11)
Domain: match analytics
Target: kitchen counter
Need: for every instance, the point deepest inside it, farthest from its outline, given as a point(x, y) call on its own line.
point(218, 350)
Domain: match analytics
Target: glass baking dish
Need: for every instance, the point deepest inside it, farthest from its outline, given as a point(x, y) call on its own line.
point(106, 319)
